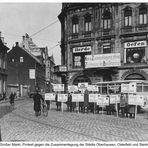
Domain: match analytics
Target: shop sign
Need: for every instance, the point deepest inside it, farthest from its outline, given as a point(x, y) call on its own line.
point(62, 97)
point(93, 97)
point(50, 96)
point(72, 88)
point(128, 88)
point(82, 49)
point(135, 44)
point(102, 60)
point(92, 88)
point(58, 87)
point(77, 97)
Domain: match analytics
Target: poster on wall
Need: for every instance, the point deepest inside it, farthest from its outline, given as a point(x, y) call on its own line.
point(128, 88)
point(77, 97)
point(82, 86)
point(50, 96)
point(62, 97)
point(136, 100)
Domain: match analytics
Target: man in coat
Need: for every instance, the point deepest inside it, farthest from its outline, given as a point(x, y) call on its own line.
point(37, 103)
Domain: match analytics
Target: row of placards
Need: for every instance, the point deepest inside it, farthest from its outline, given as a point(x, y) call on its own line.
point(97, 98)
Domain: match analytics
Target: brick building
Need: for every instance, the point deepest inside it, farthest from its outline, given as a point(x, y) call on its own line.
point(104, 41)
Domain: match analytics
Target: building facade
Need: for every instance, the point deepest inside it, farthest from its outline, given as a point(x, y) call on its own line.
point(25, 71)
point(3, 67)
point(104, 41)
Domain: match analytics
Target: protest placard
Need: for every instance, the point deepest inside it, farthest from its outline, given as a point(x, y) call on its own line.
point(77, 97)
point(50, 96)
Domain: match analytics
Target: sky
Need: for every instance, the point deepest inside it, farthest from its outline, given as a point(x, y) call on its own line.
point(39, 20)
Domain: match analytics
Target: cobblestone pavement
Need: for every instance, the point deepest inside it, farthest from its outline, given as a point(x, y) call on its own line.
point(22, 125)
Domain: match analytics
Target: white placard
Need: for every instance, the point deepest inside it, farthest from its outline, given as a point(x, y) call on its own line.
point(77, 97)
point(82, 49)
point(82, 86)
point(114, 99)
point(62, 97)
point(92, 88)
point(136, 100)
point(103, 100)
point(72, 88)
point(128, 88)
point(58, 87)
point(50, 96)
point(93, 97)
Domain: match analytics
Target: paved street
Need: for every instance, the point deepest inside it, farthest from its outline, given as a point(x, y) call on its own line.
point(22, 125)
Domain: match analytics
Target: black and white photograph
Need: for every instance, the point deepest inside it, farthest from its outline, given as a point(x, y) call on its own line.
point(74, 74)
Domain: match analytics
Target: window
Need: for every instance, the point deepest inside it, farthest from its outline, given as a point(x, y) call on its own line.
point(75, 26)
point(142, 15)
point(21, 59)
point(77, 61)
point(127, 17)
point(106, 19)
point(87, 23)
point(107, 48)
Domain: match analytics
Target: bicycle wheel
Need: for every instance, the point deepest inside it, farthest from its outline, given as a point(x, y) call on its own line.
point(45, 111)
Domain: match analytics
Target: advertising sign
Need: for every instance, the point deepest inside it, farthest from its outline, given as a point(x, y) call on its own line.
point(72, 88)
point(92, 88)
point(103, 100)
point(50, 96)
point(102, 60)
point(62, 97)
point(58, 87)
point(93, 97)
point(128, 88)
point(77, 97)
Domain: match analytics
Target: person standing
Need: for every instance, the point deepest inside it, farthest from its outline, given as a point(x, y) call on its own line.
point(86, 101)
point(12, 97)
point(123, 103)
point(37, 103)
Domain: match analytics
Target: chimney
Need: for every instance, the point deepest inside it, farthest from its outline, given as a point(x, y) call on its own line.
point(23, 37)
point(16, 44)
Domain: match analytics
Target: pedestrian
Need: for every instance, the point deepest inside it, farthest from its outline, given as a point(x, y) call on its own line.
point(108, 107)
point(58, 104)
point(37, 102)
point(123, 104)
point(68, 102)
point(132, 111)
point(12, 97)
point(86, 101)
point(4, 95)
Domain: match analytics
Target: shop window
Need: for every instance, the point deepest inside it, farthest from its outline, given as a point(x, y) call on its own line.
point(81, 79)
point(145, 88)
point(135, 55)
point(106, 19)
point(75, 26)
point(87, 23)
point(128, 17)
point(142, 15)
point(139, 87)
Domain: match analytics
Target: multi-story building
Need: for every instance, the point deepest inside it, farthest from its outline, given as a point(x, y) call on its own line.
point(104, 41)
point(25, 71)
point(3, 66)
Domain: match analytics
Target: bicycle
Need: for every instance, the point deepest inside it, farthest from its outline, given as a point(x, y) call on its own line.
point(44, 109)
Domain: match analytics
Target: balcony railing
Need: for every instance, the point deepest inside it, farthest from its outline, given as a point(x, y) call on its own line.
point(141, 28)
point(126, 30)
point(106, 32)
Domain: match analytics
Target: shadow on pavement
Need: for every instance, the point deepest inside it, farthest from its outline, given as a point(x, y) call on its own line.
point(5, 109)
